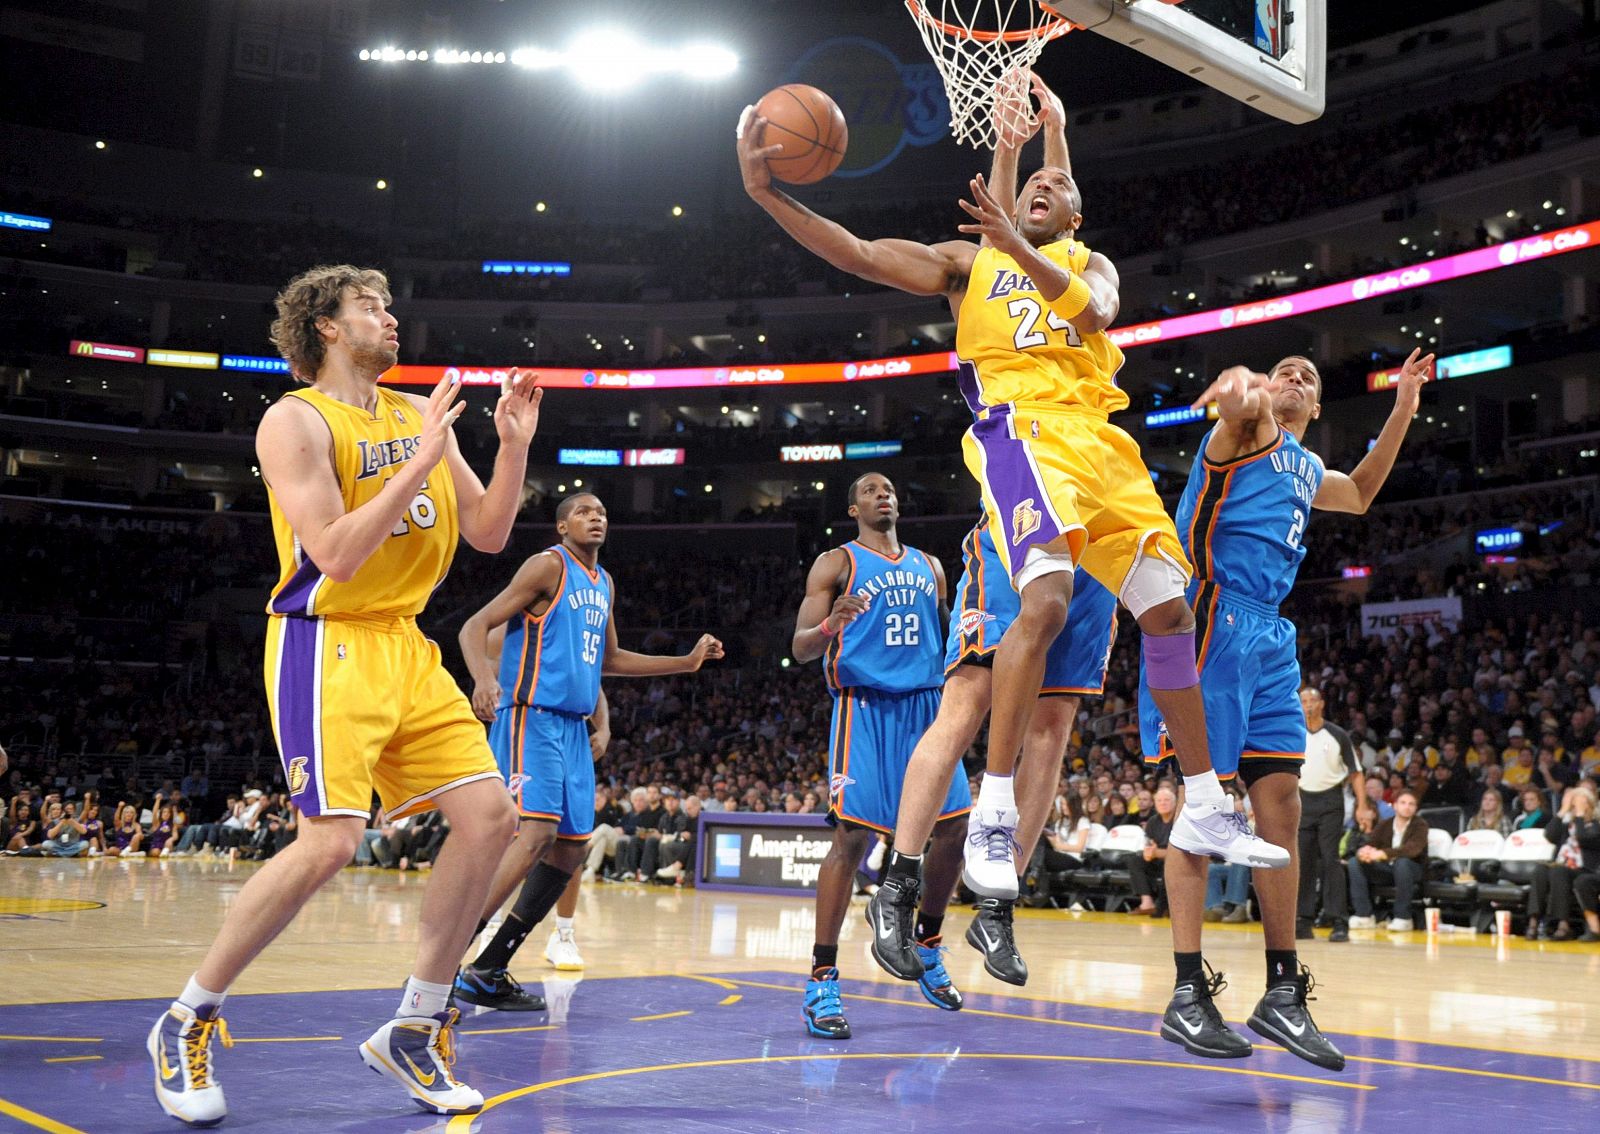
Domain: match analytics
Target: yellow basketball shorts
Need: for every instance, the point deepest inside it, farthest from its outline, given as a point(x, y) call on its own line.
point(364, 703)
point(1050, 473)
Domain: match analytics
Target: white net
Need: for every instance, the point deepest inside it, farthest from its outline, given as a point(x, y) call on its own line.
point(984, 50)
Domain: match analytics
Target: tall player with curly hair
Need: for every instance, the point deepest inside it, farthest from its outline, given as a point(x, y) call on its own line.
point(369, 495)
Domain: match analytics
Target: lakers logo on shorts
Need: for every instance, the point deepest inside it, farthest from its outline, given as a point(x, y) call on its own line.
point(1025, 519)
point(297, 774)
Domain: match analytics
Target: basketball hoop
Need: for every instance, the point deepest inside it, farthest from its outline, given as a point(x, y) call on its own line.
point(984, 50)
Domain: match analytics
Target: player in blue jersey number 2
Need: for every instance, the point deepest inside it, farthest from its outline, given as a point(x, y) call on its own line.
point(1242, 519)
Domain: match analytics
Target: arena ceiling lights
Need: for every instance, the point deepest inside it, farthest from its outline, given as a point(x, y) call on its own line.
point(605, 59)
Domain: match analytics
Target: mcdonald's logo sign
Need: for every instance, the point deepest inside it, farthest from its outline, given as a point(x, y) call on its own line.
point(111, 352)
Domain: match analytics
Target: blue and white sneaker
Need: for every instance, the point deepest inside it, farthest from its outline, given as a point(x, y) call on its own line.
point(417, 1052)
point(824, 1007)
point(935, 983)
point(180, 1048)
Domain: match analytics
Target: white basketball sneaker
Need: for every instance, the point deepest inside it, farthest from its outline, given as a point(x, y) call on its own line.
point(562, 950)
point(180, 1049)
point(1217, 830)
point(417, 1052)
point(991, 852)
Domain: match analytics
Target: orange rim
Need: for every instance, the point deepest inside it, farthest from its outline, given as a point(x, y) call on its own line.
point(1049, 29)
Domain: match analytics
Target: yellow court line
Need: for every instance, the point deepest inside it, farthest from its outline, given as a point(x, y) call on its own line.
point(74, 1058)
point(52, 1039)
point(718, 981)
point(462, 1123)
point(505, 1031)
point(1473, 1071)
point(661, 1016)
point(289, 1039)
point(727, 1000)
point(36, 1120)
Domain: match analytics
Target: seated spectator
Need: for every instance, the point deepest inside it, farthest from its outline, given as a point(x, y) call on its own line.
point(1065, 837)
point(94, 826)
point(63, 835)
point(1532, 811)
point(370, 838)
point(1143, 873)
point(127, 836)
point(163, 832)
point(1227, 893)
point(205, 838)
point(1395, 852)
point(607, 830)
point(23, 829)
point(673, 823)
point(1377, 796)
point(279, 825)
point(638, 826)
point(677, 851)
point(1491, 815)
point(1575, 871)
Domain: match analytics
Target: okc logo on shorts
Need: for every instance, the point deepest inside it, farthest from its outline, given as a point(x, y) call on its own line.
point(972, 619)
point(298, 774)
point(1025, 519)
point(838, 783)
point(514, 784)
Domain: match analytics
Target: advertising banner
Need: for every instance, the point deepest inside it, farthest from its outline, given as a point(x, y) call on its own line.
point(761, 852)
point(1385, 619)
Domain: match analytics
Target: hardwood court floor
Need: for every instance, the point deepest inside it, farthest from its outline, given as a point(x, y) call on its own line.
point(1437, 1029)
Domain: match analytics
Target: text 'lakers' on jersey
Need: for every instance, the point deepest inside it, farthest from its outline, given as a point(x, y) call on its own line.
point(396, 580)
point(552, 660)
point(1241, 521)
point(897, 644)
point(1014, 349)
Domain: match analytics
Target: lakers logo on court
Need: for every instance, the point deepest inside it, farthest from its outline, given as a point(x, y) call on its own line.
point(297, 774)
point(1024, 521)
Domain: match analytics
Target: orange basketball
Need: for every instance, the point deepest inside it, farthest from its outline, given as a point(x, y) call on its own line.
point(811, 129)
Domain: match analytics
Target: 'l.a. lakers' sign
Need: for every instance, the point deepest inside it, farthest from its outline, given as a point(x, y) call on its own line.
point(888, 104)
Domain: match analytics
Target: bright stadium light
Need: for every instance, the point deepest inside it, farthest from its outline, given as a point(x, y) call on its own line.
point(608, 60)
point(535, 58)
point(707, 61)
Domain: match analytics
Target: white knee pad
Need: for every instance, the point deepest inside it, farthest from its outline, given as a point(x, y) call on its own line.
point(1038, 563)
point(1155, 579)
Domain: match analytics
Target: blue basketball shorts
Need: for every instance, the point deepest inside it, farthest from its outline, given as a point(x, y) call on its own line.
point(545, 758)
point(986, 605)
point(1250, 681)
point(873, 736)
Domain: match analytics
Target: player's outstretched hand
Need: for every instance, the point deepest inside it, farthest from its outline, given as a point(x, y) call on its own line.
point(1052, 112)
point(752, 156)
point(485, 700)
point(516, 414)
point(437, 419)
point(991, 220)
point(1408, 388)
point(706, 649)
point(1014, 119)
point(1238, 392)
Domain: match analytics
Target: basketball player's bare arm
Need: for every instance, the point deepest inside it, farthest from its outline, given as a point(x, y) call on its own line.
point(531, 588)
point(921, 269)
point(992, 221)
point(1244, 409)
point(1356, 492)
point(486, 514)
point(295, 452)
point(943, 590)
point(619, 662)
point(600, 722)
point(824, 611)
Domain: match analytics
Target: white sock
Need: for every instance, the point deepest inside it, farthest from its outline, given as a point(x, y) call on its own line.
point(1204, 788)
point(564, 924)
point(198, 999)
point(997, 792)
point(422, 998)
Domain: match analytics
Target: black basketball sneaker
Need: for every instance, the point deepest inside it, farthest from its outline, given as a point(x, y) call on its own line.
point(1192, 1019)
point(1282, 1017)
point(892, 913)
point(498, 990)
point(991, 934)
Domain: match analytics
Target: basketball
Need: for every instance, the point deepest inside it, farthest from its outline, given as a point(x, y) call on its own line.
point(811, 129)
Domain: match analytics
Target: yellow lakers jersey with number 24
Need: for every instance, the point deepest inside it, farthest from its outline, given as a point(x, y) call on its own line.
point(369, 448)
point(1014, 349)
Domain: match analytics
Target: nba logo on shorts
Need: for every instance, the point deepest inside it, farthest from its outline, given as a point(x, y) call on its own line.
point(1024, 521)
point(297, 774)
point(729, 857)
point(340, 651)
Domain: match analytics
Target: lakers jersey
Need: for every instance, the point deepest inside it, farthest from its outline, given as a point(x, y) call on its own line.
point(552, 660)
point(1241, 521)
point(897, 644)
point(1013, 348)
point(397, 578)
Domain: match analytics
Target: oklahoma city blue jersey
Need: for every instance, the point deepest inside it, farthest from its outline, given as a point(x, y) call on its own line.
point(897, 645)
point(552, 660)
point(1241, 521)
